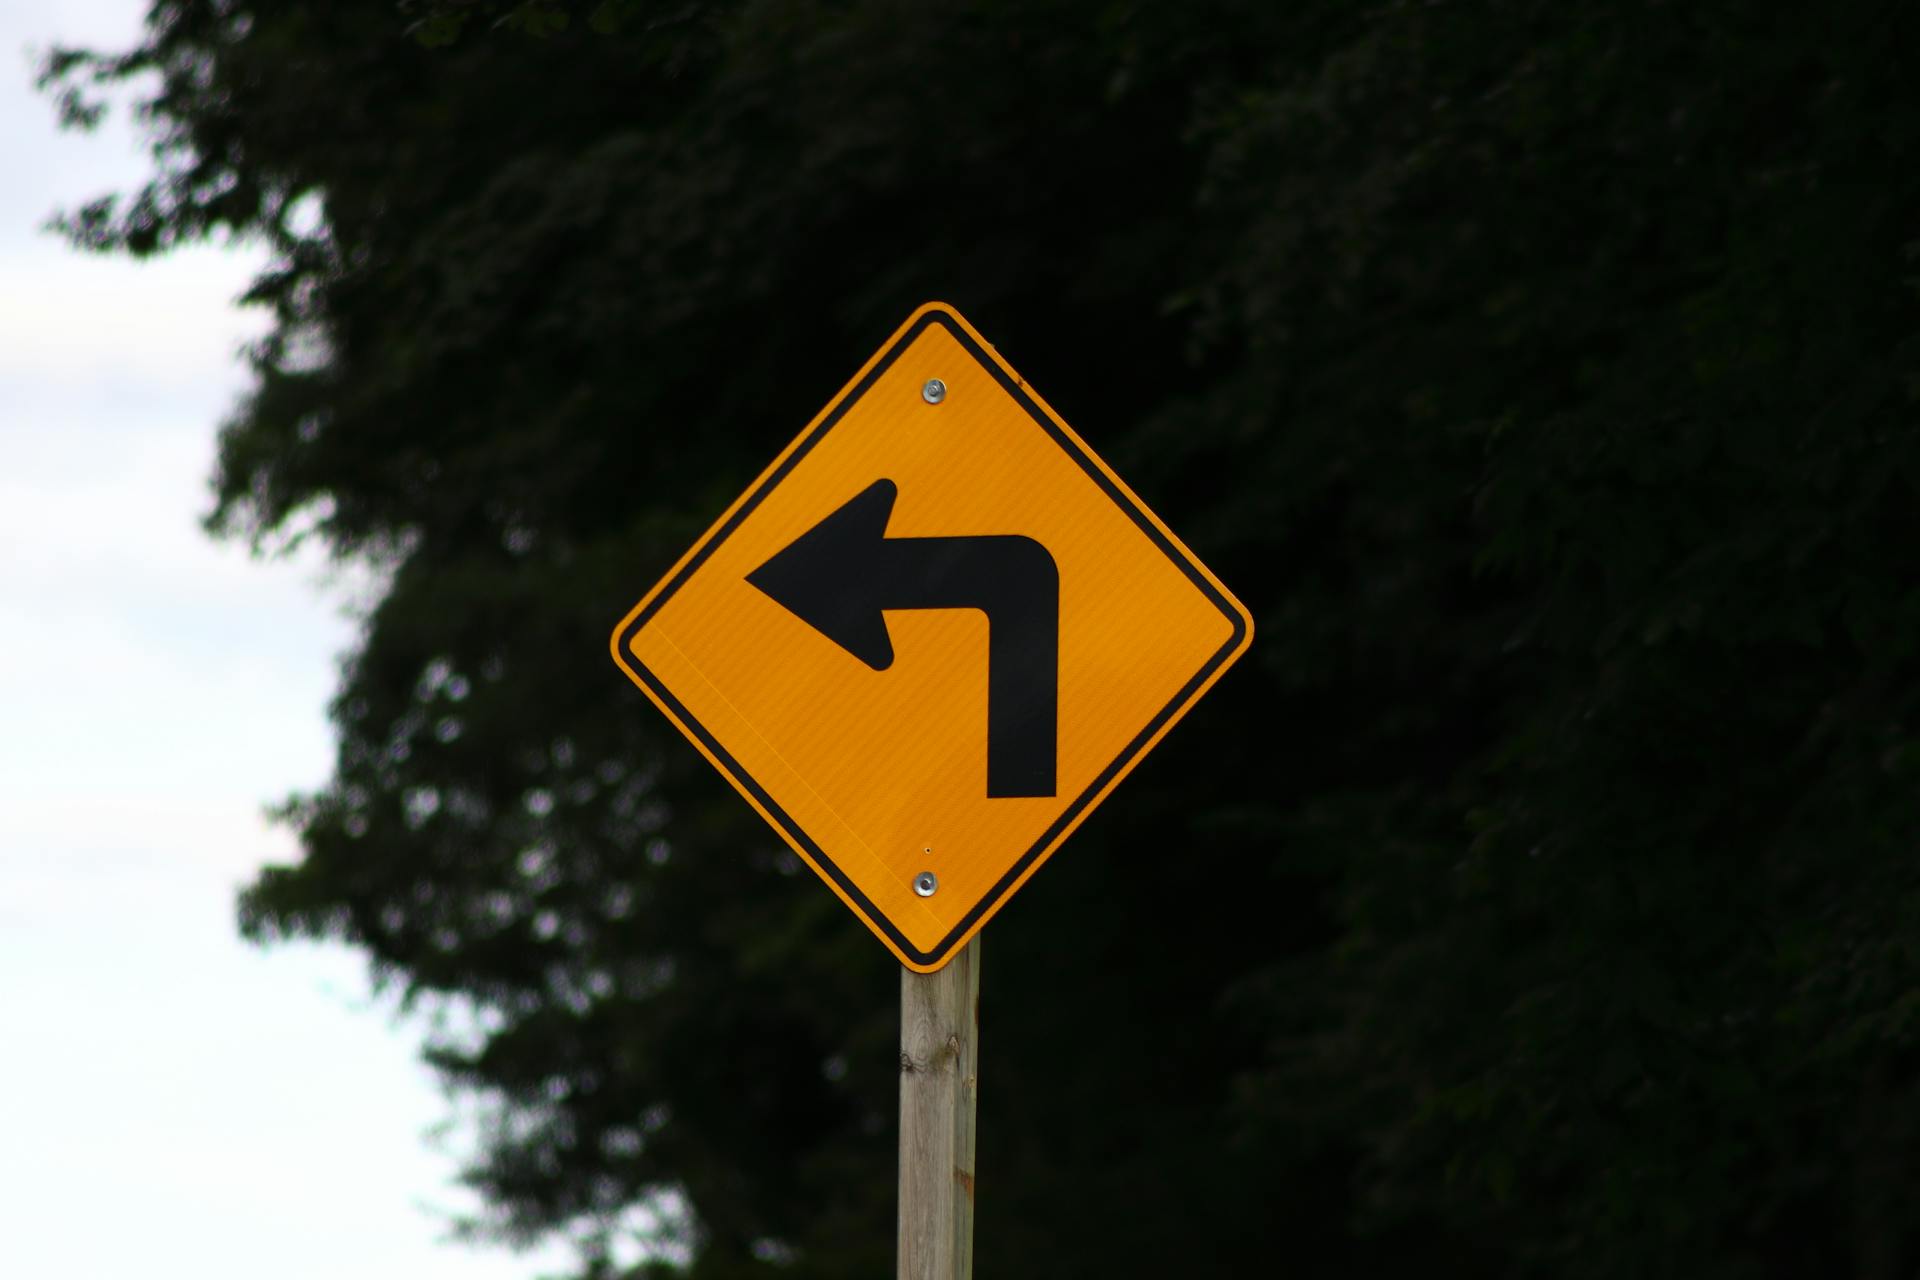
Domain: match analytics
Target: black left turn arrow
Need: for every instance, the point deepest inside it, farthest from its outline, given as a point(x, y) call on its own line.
point(840, 576)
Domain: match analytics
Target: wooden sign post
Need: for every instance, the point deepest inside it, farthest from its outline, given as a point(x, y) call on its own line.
point(939, 1085)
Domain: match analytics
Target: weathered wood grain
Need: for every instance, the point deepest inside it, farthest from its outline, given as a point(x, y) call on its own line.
point(939, 1081)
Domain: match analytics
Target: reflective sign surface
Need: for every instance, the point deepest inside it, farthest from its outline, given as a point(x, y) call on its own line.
point(931, 637)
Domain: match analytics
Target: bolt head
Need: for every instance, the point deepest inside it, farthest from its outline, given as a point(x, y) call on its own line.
point(934, 391)
point(926, 883)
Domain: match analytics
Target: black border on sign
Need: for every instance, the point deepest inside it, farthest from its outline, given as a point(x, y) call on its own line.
point(1080, 803)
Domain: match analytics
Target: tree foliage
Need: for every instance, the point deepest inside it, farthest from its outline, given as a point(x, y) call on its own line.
point(1539, 896)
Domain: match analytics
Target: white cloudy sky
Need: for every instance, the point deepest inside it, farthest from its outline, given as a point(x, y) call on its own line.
point(172, 1102)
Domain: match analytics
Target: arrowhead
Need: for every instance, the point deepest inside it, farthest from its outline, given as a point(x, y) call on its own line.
point(829, 576)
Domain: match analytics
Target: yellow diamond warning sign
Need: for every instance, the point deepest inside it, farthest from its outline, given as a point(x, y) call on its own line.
point(931, 637)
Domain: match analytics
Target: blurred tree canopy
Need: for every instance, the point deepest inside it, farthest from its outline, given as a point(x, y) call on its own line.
point(1540, 895)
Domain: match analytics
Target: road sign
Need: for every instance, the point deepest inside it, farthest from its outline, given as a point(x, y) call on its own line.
point(931, 637)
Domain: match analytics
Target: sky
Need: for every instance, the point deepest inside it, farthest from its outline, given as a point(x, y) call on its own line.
point(173, 1101)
